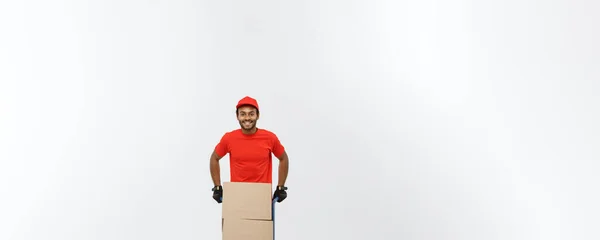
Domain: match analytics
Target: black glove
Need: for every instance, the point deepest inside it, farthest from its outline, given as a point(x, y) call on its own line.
point(218, 194)
point(280, 193)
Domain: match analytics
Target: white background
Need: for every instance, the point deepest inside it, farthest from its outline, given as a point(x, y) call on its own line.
point(402, 119)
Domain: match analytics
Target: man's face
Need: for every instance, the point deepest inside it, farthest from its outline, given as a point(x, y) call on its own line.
point(247, 117)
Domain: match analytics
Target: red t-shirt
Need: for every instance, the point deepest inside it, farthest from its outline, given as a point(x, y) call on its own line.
point(250, 158)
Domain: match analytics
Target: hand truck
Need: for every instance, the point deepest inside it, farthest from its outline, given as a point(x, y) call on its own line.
point(273, 214)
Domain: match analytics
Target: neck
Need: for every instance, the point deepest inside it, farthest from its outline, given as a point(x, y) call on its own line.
point(251, 131)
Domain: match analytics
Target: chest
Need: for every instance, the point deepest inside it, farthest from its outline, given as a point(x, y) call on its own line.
point(251, 149)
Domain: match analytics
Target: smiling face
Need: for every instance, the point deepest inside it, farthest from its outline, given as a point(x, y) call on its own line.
point(247, 116)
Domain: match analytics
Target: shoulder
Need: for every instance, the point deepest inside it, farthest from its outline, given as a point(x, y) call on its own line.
point(269, 134)
point(231, 133)
point(266, 131)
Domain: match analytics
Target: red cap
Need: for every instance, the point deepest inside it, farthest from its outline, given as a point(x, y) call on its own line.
point(247, 101)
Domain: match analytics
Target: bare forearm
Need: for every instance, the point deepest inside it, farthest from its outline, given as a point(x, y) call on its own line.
point(283, 171)
point(215, 172)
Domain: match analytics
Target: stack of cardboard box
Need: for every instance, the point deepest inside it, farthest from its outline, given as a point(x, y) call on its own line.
point(247, 211)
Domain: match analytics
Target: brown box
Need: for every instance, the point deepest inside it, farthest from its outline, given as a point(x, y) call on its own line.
point(243, 200)
point(244, 229)
point(247, 211)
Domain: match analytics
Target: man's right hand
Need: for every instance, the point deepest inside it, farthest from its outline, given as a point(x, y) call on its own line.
point(218, 193)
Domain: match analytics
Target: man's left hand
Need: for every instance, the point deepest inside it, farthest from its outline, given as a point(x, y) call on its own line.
point(280, 193)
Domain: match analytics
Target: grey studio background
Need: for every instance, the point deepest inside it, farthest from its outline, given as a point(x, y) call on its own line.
point(445, 120)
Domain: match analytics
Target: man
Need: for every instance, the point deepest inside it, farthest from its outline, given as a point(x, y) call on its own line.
point(250, 153)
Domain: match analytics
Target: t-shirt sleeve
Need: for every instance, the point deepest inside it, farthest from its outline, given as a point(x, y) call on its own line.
point(278, 148)
point(222, 147)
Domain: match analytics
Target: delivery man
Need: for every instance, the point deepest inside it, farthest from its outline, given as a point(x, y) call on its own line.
point(250, 153)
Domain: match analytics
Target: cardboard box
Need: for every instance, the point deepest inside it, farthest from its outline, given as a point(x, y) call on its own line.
point(251, 201)
point(247, 211)
point(244, 229)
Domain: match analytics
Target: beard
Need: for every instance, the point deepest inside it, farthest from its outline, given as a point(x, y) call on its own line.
point(247, 125)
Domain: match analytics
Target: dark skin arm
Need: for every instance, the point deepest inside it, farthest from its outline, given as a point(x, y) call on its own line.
point(283, 168)
point(215, 169)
